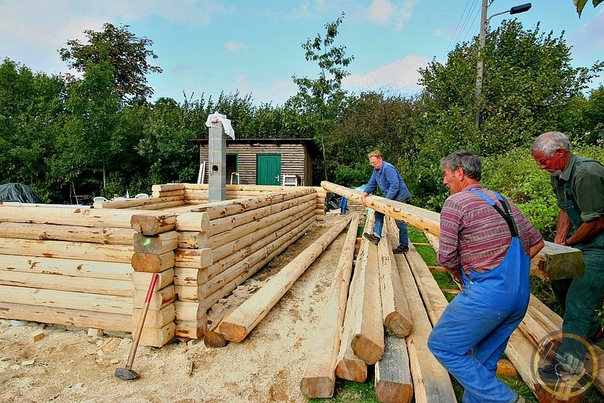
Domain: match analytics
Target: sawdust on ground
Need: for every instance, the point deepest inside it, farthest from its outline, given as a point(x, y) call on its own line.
point(67, 365)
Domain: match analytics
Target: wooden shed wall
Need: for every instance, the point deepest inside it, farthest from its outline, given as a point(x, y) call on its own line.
point(295, 160)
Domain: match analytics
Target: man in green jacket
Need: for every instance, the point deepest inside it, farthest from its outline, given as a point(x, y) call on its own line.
point(578, 184)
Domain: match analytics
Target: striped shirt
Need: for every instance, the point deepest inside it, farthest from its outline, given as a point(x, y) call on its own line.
point(474, 235)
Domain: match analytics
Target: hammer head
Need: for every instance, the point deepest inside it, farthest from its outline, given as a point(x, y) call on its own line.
point(126, 374)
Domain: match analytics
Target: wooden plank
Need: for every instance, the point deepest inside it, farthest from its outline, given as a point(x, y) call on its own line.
point(193, 258)
point(193, 221)
point(557, 261)
point(392, 373)
point(239, 323)
point(318, 380)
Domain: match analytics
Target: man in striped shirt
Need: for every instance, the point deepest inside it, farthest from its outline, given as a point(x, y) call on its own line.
point(486, 244)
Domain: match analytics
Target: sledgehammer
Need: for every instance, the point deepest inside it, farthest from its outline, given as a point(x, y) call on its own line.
point(128, 373)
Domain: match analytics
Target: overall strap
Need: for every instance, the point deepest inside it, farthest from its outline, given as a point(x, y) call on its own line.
point(505, 213)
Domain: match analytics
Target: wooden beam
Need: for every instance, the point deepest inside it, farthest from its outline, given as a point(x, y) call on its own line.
point(395, 311)
point(73, 233)
point(431, 381)
point(239, 323)
point(67, 267)
point(557, 261)
point(152, 223)
point(319, 377)
point(393, 382)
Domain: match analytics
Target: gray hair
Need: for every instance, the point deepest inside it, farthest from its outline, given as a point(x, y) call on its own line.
point(549, 142)
point(470, 163)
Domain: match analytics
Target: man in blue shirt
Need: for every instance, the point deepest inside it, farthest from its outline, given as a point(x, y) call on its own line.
point(389, 180)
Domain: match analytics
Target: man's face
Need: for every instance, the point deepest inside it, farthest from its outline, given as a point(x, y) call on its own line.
point(452, 179)
point(554, 164)
point(375, 162)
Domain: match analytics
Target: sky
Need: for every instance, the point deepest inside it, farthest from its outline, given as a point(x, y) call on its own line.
point(206, 47)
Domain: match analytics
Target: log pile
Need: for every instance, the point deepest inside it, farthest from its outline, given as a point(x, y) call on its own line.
point(91, 267)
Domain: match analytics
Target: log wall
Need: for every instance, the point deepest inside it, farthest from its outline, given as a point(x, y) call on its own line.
point(92, 267)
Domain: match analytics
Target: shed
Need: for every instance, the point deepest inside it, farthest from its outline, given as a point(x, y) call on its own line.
point(265, 161)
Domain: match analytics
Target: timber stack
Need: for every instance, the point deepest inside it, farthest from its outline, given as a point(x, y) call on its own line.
point(91, 267)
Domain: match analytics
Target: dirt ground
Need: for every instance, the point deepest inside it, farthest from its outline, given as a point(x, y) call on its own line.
point(67, 365)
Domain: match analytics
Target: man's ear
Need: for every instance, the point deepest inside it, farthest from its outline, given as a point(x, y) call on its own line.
point(459, 171)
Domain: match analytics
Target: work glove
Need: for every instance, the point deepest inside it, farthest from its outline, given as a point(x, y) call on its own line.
point(572, 364)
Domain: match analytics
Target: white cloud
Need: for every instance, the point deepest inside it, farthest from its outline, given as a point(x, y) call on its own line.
point(234, 46)
point(400, 76)
point(385, 12)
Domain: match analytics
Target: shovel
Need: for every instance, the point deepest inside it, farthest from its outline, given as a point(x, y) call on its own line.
point(128, 373)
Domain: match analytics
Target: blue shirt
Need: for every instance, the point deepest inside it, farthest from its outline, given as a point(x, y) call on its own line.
point(389, 181)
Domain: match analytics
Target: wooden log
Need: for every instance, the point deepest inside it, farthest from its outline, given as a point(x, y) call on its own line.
point(274, 220)
point(152, 263)
point(431, 381)
point(395, 311)
point(189, 311)
point(66, 250)
point(186, 330)
point(168, 187)
point(84, 217)
point(152, 224)
point(66, 316)
point(155, 337)
point(66, 299)
point(188, 276)
point(556, 261)
point(251, 233)
point(141, 280)
point(156, 318)
point(80, 284)
point(242, 254)
point(368, 333)
point(66, 267)
point(319, 376)
point(234, 207)
point(193, 258)
point(220, 225)
point(282, 244)
point(73, 233)
point(212, 338)
point(392, 373)
point(148, 203)
point(349, 366)
point(239, 323)
point(157, 244)
point(192, 239)
point(193, 221)
point(159, 299)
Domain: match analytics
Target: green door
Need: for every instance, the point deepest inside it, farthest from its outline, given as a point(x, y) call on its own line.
point(268, 169)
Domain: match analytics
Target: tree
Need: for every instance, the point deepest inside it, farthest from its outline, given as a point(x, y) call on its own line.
point(580, 4)
point(323, 98)
point(528, 85)
point(124, 51)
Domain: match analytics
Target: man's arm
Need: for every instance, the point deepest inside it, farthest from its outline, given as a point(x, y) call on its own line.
point(563, 227)
point(586, 231)
point(535, 249)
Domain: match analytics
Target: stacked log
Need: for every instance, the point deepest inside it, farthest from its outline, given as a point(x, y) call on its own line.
point(66, 266)
point(154, 242)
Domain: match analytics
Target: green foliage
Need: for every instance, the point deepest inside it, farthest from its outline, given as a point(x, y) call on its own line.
point(580, 4)
point(124, 51)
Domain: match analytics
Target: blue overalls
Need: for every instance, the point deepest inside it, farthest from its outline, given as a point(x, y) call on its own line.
point(473, 331)
point(578, 296)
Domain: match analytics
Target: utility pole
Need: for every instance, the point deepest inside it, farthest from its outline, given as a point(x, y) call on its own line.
point(480, 65)
point(484, 26)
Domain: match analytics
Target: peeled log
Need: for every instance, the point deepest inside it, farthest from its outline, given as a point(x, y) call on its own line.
point(239, 323)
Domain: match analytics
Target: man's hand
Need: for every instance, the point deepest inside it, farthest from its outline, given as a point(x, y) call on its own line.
point(364, 199)
point(572, 364)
